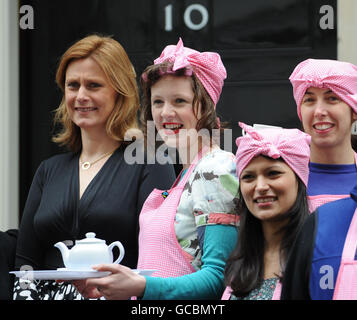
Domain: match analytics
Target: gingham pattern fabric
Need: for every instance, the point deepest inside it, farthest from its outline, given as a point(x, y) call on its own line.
point(346, 283)
point(319, 200)
point(292, 145)
point(207, 66)
point(158, 245)
point(340, 77)
point(227, 293)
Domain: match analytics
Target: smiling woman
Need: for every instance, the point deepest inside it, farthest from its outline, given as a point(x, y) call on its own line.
point(172, 112)
point(91, 188)
point(273, 169)
point(188, 231)
point(90, 98)
point(325, 92)
point(269, 188)
point(327, 118)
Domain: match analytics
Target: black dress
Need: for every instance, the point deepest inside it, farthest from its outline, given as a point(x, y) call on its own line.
point(110, 207)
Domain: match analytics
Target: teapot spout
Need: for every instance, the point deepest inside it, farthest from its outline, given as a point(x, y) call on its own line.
point(64, 251)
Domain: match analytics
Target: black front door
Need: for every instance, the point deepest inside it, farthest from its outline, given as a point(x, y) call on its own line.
point(260, 42)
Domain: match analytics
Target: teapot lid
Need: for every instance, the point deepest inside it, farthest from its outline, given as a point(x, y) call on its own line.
point(90, 238)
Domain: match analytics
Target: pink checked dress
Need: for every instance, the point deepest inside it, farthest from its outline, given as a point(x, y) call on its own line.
point(346, 284)
point(158, 245)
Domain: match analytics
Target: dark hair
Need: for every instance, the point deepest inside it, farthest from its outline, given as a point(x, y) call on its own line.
point(354, 142)
point(245, 267)
point(154, 73)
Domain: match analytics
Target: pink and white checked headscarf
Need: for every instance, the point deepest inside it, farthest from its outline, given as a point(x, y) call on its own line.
point(292, 145)
point(207, 66)
point(340, 77)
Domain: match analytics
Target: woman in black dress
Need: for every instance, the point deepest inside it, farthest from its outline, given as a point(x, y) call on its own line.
point(91, 188)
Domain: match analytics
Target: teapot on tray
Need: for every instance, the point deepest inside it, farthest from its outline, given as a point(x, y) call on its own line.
point(88, 252)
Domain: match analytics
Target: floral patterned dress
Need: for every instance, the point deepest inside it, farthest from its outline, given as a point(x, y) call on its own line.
point(264, 292)
point(208, 199)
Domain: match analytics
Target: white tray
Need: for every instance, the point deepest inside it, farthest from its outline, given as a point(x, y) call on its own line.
point(64, 274)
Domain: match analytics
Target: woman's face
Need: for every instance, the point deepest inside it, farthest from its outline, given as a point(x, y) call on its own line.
point(89, 97)
point(172, 111)
point(327, 118)
point(269, 188)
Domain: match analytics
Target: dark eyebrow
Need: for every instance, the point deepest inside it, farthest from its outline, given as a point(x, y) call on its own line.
point(327, 92)
point(272, 167)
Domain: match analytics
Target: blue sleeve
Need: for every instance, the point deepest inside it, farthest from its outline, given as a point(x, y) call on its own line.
point(207, 283)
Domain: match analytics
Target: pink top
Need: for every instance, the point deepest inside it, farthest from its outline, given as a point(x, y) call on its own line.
point(158, 245)
point(346, 283)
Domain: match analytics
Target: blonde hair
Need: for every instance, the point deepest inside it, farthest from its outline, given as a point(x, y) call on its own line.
point(115, 63)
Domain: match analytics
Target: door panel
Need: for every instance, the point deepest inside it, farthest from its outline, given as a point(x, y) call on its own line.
point(260, 42)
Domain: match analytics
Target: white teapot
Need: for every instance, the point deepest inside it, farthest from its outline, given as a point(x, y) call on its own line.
point(88, 252)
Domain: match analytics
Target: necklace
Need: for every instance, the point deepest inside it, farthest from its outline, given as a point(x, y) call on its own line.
point(86, 165)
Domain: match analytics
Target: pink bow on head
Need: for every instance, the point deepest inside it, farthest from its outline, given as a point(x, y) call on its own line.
point(292, 145)
point(207, 66)
point(340, 77)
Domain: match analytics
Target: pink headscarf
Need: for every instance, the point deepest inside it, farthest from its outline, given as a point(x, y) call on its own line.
point(207, 66)
point(292, 145)
point(340, 77)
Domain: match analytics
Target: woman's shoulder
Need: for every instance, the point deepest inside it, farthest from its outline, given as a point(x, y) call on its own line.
point(57, 161)
point(60, 158)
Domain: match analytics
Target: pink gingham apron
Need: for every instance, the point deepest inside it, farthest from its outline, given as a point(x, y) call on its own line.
point(319, 200)
point(227, 293)
point(276, 296)
point(346, 284)
point(158, 245)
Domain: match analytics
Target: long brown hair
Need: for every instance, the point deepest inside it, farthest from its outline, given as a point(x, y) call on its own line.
point(244, 269)
point(115, 63)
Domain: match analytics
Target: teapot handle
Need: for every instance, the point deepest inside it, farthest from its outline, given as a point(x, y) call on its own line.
point(121, 250)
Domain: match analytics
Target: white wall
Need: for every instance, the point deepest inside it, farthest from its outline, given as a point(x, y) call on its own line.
point(347, 34)
point(347, 31)
point(9, 115)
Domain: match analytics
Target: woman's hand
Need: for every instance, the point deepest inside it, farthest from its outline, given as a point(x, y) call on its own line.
point(122, 284)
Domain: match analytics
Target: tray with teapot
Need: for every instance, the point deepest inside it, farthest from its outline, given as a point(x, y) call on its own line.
point(78, 261)
point(65, 274)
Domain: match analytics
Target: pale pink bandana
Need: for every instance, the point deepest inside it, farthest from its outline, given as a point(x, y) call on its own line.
point(292, 145)
point(207, 66)
point(340, 77)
